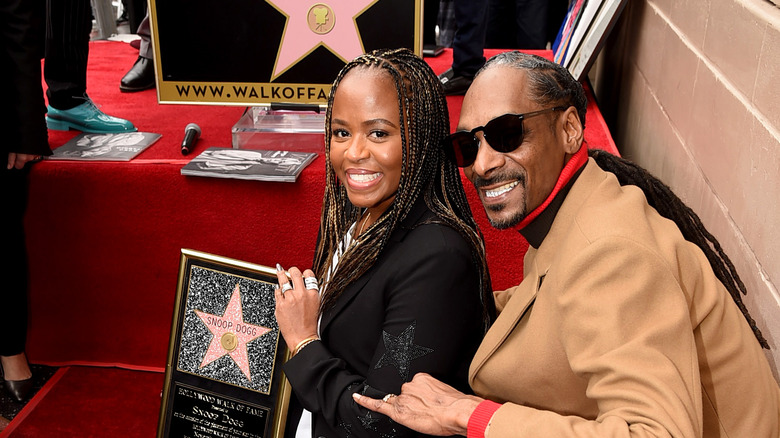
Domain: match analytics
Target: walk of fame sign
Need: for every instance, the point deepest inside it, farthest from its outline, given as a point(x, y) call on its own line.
point(270, 51)
point(223, 376)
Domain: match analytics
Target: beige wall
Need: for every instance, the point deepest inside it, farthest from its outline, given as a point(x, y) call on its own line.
point(692, 88)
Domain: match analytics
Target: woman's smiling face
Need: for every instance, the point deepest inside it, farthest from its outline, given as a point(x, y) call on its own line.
point(365, 143)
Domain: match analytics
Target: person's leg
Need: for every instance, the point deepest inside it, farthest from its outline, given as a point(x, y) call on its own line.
point(501, 27)
point(136, 10)
point(21, 120)
point(532, 24)
point(14, 271)
point(141, 74)
point(125, 17)
point(17, 376)
point(467, 46)
point(469, 43)
point(555, 16)
point(68, 25)
point(145, 32)
point(430, 18)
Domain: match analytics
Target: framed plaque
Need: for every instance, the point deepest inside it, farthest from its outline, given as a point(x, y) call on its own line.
point(251, 52)
point(223, 376)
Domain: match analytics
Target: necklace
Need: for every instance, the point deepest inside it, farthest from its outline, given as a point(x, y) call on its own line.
point(365, 221)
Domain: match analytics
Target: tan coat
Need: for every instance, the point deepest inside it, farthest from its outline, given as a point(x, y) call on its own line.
point(620, 328)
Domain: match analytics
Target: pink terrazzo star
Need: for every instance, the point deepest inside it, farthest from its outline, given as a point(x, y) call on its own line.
point(311, 24)
point(231, 334)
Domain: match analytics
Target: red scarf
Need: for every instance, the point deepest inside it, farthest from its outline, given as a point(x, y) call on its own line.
point(576, 162)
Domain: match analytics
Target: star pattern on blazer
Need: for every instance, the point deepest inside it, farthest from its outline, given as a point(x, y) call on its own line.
point(347, 427)
point(401, 350)
point(392, 433)
point(368, 421)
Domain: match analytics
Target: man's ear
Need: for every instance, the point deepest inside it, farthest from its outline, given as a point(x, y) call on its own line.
point(572, 130)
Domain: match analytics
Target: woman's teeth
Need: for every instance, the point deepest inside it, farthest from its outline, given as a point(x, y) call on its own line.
point(362, 177)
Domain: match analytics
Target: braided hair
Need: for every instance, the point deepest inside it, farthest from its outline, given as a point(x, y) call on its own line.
point(661, 197)
point(425, 172)
point(551, 83)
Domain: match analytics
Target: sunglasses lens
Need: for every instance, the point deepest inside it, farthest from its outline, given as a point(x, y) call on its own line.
point(462, 148)
point(505, 133)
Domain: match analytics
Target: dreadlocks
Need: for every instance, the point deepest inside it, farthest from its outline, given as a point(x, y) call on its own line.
point(552, 84)
point(668, 205)
point(424, 172)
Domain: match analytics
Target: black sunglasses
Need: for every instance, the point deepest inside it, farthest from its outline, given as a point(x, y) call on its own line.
point(504, 134)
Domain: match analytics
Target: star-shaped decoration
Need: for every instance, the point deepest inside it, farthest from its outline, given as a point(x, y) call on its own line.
point(231, 334)
point(368, 421)
point(347, 427)
point(401, 351)
point(392, 434)
point(310, 25)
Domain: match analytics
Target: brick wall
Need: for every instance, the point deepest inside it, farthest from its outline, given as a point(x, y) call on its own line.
point(692, 91)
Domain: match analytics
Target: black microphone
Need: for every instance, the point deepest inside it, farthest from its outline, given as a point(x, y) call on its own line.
point(191, 136)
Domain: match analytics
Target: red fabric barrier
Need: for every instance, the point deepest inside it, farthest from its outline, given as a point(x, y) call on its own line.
point(104, 238)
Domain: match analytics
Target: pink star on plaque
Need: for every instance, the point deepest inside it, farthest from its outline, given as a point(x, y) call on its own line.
point(310, 25)
point(231, 334)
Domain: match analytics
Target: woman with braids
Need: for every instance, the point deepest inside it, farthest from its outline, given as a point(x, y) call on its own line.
point(629, 319)
point(399, 283)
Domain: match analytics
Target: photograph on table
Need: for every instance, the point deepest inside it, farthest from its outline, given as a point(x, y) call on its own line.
point(120, 146)
point(261, 165)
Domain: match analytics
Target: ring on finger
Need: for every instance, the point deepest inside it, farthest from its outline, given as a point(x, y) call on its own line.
point(387, 397)
point(286, 287)
point(311, 283)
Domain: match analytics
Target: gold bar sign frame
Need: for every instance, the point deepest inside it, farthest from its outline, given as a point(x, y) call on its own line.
point(270, 51)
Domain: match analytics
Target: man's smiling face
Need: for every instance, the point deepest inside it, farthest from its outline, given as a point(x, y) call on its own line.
point(512, 184)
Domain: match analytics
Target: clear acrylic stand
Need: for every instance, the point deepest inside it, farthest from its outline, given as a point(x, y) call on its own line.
point(285, 127)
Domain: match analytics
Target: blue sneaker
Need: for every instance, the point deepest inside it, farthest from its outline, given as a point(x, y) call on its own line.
point(86, 118)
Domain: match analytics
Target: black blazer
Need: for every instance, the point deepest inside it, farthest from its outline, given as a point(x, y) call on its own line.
point(417, 309)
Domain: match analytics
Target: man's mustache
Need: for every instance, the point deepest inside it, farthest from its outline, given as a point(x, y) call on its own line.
point(506, 177)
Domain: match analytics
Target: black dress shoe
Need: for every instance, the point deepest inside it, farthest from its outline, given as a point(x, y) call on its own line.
point(454, 85)
point(19, 389)
point(140, 77)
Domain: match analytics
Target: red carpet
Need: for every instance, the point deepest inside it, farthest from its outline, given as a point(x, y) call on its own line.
point(104, 238)
point(92, 402)
point(109, 61)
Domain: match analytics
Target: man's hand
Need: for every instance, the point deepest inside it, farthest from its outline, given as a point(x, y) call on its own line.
point(427, 406)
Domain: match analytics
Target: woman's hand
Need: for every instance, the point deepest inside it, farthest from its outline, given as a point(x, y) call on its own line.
point(297, 309)
point(19, 160)
point(427, 406)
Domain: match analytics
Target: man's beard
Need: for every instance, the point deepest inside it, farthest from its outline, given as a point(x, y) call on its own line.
point(503, 224)
point(513, 220)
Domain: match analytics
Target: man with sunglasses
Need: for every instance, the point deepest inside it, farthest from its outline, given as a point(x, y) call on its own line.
point(626, 322)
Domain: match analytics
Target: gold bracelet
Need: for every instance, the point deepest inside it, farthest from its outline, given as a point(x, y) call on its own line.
point(304, 343)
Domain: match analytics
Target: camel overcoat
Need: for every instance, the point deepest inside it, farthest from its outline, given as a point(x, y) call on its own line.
point(620, 328)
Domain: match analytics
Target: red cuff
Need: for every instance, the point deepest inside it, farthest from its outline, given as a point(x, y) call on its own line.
point(480, 418)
